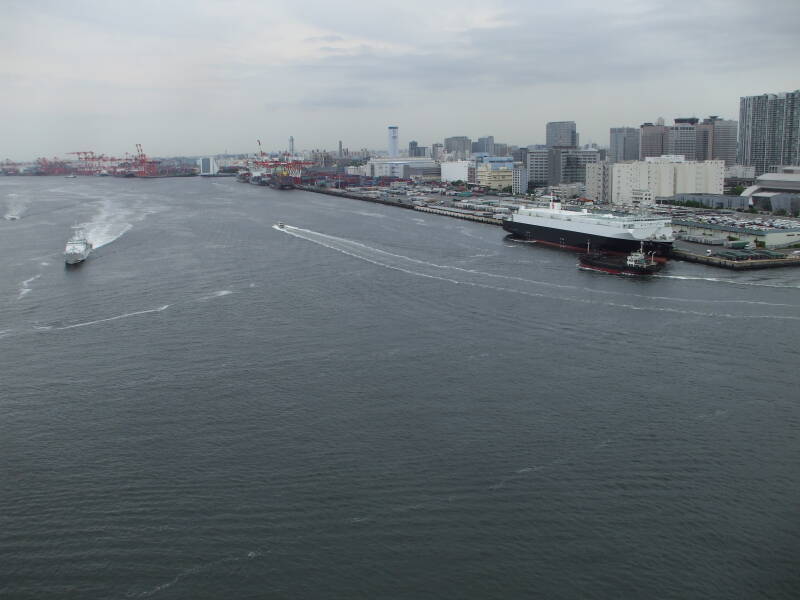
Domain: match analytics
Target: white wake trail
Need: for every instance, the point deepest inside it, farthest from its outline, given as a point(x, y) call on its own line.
point(114, 219)
point(25, 288)
point(728, 281)
point(125, 316)
point(15, 207)
point(417, 267)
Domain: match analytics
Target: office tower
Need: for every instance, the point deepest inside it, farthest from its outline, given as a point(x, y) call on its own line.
point(459, 146)
point(484, 145)
point(716, 140)
point(681, 138)
point(562, 133)
point(652, 140)
point(412, 148)
point(624, 144)
point(769, 130)
point(537, 163)
point(568, 165)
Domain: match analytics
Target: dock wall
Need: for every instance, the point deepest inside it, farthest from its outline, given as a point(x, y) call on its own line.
point(735, 265)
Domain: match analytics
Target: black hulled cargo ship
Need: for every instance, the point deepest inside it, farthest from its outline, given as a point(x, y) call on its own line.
point(610, 233)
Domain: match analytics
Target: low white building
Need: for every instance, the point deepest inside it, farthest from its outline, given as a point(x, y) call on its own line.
point(776, 191)
point(740, 172)
point(642, 182)
point(208, 166)
point(495, 178)
point(401, 168)
point(459, 170)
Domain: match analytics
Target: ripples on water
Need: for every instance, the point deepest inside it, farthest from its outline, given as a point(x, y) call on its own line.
point(376, 403)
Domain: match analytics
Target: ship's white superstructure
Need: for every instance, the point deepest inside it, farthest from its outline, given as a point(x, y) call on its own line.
point(78, 248)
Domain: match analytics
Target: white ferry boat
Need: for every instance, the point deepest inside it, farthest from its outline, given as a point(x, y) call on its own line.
point(78, 248)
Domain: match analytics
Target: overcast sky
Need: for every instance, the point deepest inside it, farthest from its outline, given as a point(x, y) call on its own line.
point(206, 76)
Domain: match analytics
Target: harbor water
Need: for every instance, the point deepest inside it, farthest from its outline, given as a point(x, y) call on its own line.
point(371, 402)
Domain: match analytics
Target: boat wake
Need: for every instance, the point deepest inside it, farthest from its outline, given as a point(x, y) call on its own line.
point(218, 294)
point(731, 281)
point(15, 207)
point(511, 284)
point(193, 571)
point(113, 220)
point(124, 316)
point(25, 288)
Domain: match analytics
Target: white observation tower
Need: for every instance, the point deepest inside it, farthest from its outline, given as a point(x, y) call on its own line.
point(393, 142)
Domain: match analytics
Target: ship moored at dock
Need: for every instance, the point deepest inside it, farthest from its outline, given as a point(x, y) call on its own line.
point(605, 231)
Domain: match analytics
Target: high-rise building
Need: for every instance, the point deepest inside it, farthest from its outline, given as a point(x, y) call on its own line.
point(562, 133)
point(291, 145)
point(459, 146)
point(769, 130)
point(681, 138)
point(340, 149)
point(436, 151)
point(538, 171)
point(519, 181)
point(624, 144)
point(713, 139)
point(412, 148)
point(484, 145)
point(394, 142)
point(652, 139)
point(568, 165)
point(716, 140)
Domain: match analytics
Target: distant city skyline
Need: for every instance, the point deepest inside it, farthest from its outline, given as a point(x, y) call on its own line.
point(196, 78)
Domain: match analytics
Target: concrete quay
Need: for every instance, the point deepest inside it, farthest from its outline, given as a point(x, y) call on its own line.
point(459, 215)
point(344, 194)
point(735, 265)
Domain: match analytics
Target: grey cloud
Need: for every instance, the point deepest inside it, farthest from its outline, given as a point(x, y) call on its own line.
point(328, 39)
point(342, 98)
point(590, 46)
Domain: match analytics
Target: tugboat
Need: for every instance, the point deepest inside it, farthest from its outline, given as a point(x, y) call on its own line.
point(636, 263)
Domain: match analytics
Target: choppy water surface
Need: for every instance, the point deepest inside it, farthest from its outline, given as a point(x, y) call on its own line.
point(372, 402)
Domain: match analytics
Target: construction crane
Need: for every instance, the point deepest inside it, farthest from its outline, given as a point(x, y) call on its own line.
point(144, 166)
point(51, 166)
